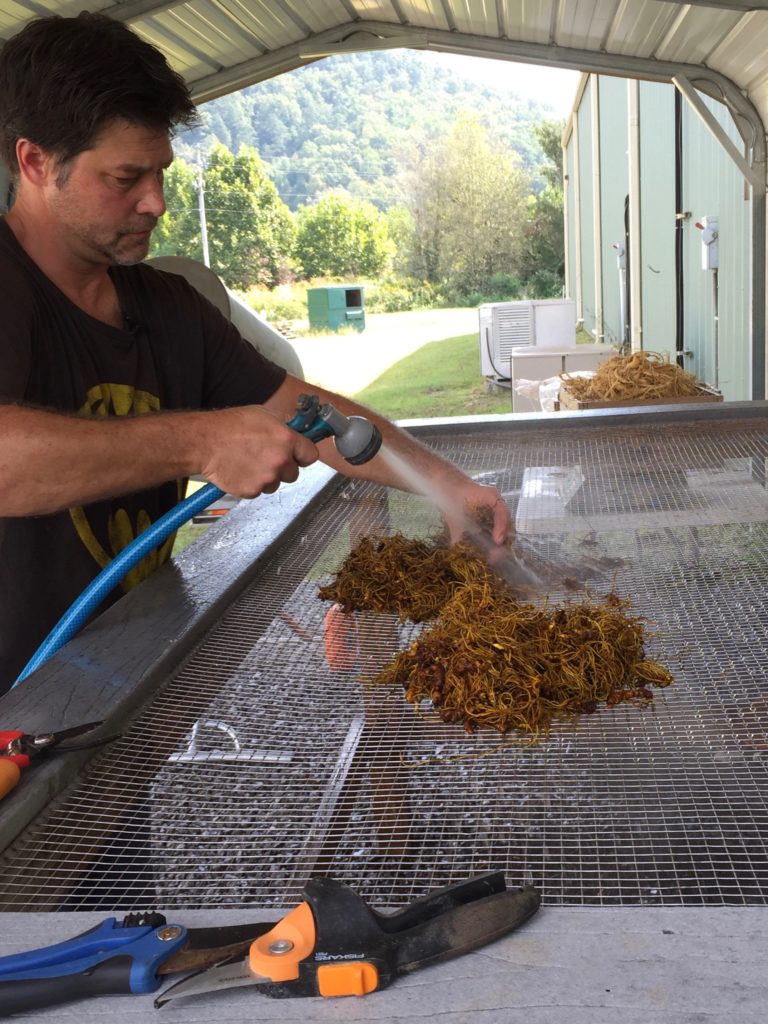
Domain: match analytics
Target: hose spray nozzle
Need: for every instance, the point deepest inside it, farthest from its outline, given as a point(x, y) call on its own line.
point(355, 437)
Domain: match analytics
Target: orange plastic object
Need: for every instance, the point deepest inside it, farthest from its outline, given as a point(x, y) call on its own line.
point(340, 638)
point(10, 773)
point(296, 928)
point(354, 979)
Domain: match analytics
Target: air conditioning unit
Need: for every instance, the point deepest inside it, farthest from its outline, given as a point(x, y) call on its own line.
point(531, 324)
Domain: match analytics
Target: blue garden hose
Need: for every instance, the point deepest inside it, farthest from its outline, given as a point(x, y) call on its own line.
point(357, 439)
point(81, 610)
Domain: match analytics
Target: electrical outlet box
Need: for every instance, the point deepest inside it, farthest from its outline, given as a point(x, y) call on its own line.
point(710, 246)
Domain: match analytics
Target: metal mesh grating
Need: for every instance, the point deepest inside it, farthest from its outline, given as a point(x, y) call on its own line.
point(664, 805)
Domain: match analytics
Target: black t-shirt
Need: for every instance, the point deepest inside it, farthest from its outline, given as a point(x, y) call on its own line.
point(177, 352)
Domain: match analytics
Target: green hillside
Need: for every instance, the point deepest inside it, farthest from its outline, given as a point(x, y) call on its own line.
point(353, 122)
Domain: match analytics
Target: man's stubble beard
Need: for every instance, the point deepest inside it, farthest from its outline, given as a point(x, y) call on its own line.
point(104, 250)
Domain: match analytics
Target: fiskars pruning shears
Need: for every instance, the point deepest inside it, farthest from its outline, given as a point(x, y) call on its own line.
point(334, 944)
point(331, 944)
point(18, 749)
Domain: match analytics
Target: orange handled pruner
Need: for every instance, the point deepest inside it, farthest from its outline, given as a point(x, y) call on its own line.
point(18, 749)
point(334, 944)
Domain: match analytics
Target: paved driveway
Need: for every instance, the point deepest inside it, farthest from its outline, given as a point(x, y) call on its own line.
point(349, 362)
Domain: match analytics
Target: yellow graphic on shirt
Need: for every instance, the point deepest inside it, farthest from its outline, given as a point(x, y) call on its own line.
point(121, 400)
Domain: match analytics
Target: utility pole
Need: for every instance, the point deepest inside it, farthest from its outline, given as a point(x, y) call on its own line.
point(201, 211)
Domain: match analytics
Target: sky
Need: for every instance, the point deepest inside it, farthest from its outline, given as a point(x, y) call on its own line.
point(554, 87)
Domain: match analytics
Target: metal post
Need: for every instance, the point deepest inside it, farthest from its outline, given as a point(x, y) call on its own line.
point(201, 211)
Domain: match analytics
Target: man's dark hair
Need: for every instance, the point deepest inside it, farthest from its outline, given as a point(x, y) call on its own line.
point(62, 80)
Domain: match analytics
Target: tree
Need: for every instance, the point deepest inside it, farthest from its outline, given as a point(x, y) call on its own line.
point(338, 124)
point(401, 229)
point(542, 266)
point(251, 231)
point(342, 237)
point(468, 201)
point(178, 232)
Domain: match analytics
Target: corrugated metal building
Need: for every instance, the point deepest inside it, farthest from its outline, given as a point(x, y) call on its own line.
point(642, 170)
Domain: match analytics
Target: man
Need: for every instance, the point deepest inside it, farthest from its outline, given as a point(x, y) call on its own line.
point(118, 381)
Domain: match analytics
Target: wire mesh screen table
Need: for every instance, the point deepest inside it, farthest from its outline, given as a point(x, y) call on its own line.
point(256, 765)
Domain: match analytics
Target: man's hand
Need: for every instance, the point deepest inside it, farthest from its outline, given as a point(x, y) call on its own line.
point(249, 451)
point(468, 495)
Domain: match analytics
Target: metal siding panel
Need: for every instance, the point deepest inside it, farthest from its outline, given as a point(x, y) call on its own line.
point(570, 225)
point(741, 54)
point(200, 22)
point(586, 256)
point(695, 33)
point(423, 13)
point(583, 20)
point(712, 185)
point(478, 17)
point(614, 185)
point(373, 10)
point(637, 28)
point(531, 21)
point(657, 215)
point(206, 36)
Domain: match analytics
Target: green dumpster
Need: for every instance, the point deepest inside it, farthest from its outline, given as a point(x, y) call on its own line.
point(335, 306)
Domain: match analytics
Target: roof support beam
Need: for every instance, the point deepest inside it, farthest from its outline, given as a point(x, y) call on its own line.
point(363, 36)
point(634, 255)
point(132, 10)
point(755, 175)
point(738, 6)
point(716, 129)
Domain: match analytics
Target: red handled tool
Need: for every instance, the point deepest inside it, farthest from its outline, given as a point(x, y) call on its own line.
point(18, 749)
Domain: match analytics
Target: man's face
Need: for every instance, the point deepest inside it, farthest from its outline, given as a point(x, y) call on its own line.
point(109, 198)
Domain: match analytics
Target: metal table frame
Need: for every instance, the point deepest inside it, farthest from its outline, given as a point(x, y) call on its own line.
point(596, 964)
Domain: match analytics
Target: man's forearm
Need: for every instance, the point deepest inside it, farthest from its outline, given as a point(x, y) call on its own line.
point(50, 461)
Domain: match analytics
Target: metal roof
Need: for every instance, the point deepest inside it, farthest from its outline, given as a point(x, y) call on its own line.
point(224, 45)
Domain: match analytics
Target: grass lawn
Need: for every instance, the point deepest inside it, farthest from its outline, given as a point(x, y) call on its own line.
point(440, 379)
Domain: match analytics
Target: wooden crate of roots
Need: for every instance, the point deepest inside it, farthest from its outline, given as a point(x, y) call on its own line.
point(642, 378)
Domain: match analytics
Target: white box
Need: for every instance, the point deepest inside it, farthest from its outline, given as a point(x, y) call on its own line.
point(554, 323)
point(532, 366)
point(535, 324)
point(587, 357)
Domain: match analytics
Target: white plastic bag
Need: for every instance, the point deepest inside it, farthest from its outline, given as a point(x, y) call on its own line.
point(544, 393)
point(528, 389)
point(549, 389)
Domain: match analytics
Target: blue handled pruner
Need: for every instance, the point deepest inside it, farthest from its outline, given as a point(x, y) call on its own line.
point(116, 957)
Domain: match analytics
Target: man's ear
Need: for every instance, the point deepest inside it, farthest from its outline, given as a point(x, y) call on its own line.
point(35, 164)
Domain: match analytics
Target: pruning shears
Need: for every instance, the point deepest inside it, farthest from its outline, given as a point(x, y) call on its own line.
point(19, 749)
point(331, 944)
